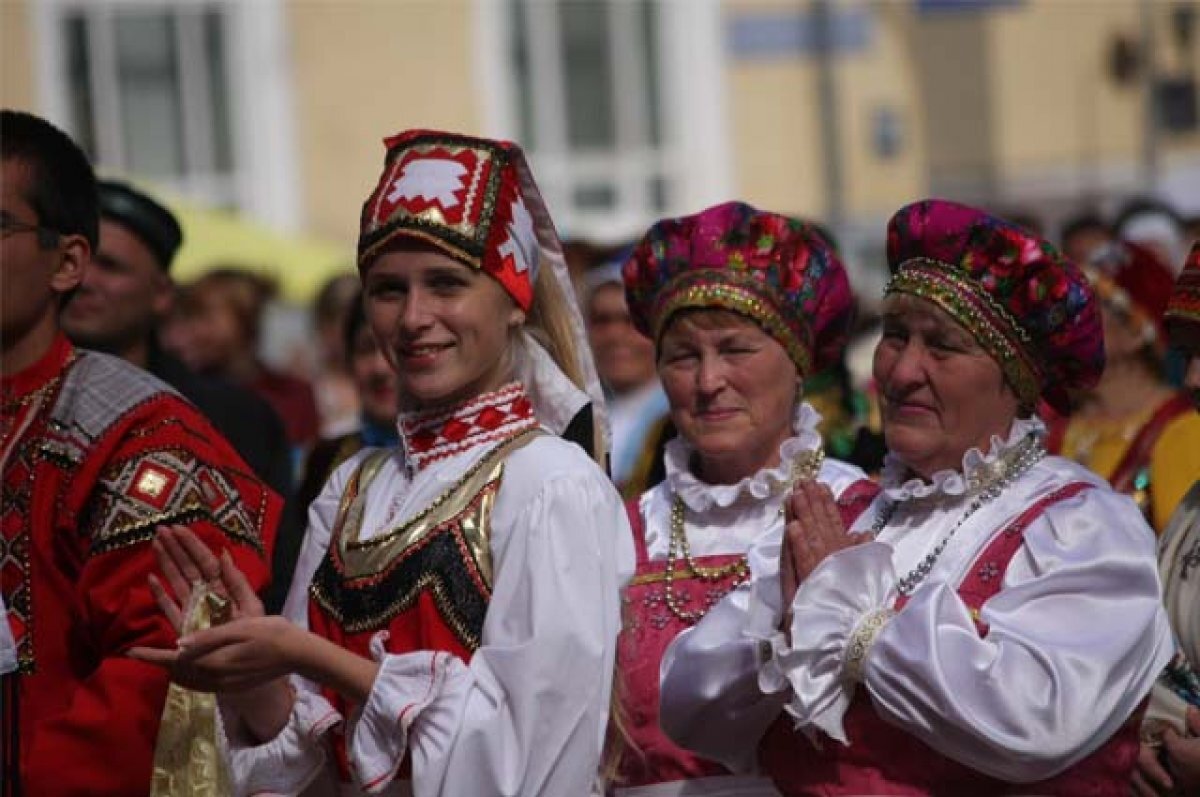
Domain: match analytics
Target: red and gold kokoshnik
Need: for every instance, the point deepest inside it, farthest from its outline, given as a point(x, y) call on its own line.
point(462, 195)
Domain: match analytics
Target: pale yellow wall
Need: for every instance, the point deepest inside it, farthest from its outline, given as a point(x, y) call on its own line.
point(948, 53)
point(774, 137)
point(777, 152)
point(16, 56)
point(882, 75)
point(774, 133)
point(1053, 102)
point(1172, 62)
point(365, 70)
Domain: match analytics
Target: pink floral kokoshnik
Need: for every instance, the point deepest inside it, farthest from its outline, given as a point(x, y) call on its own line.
point(1184, 304)
point(472, 198)
point(773, 269)
point(1028, 306)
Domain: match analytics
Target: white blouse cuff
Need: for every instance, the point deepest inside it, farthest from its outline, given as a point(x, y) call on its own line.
point(836, 614)
point(378, 733)
point(287, 763)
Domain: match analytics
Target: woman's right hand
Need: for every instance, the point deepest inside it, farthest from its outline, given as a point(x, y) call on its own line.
point(185, 560)
point(814, 530)
point(229, 659)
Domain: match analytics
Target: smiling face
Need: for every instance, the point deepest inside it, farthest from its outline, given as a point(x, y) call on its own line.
point(941, 393)
point(732, 389)
point(442, 326)
point(123, 295)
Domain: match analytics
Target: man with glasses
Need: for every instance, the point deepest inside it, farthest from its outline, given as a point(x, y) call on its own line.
point(95, 454)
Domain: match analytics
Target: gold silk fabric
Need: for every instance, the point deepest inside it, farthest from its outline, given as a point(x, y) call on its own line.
point(187, 757)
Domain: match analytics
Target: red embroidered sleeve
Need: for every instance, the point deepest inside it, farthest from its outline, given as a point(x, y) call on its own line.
point(167, 466)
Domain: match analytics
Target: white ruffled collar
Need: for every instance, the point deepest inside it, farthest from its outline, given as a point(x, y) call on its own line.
point(899, 485)
point(699, 495)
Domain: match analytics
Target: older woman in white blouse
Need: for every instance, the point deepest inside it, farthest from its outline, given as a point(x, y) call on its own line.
point(991, 624)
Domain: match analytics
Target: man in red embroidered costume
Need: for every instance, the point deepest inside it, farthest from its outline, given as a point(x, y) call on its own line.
point(95, 454)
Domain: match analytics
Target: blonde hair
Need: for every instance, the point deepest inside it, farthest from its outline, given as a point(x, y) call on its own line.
point(549, 322)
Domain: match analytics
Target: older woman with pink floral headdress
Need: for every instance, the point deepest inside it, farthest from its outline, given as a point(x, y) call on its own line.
point(452, 622)
point(991, 624)
point(742, 305)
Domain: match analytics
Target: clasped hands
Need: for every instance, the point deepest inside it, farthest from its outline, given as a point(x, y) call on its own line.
point(813, 531)
point(247, 650)
point(1173, 767)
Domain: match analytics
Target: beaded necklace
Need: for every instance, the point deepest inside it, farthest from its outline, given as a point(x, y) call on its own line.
point(988, 484)
point(805, 467)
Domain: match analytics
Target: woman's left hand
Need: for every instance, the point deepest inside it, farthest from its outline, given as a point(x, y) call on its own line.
point(814, 530)
point(240, 655)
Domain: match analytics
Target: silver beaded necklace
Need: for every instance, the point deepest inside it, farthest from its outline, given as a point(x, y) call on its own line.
point(987, 485)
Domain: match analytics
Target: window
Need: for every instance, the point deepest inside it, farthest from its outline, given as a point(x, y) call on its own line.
point(599, 92)
point(158, 90)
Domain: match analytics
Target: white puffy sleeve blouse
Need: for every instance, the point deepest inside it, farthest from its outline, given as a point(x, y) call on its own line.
point(1077, 632)
point(527, 715)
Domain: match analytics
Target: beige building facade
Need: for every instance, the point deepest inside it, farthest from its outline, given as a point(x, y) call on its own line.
point(630, 109)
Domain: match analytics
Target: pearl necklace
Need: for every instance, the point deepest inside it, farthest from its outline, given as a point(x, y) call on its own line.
point(806, 466)
point(989, 480)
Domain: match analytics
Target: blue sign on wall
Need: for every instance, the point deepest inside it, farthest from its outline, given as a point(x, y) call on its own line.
point(933, 6)
point(769, 35)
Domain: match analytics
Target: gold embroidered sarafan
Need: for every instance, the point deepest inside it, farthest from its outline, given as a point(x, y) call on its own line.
point(444, 550)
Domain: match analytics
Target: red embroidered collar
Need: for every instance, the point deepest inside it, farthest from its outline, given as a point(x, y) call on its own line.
point(26, 382)
point(429, 435)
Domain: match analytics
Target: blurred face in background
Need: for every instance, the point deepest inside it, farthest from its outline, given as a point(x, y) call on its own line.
point(1082, 243)
point(215, 334)
point(1186, 337)
point(377, 384)
point(624, 356)
point(124, 293)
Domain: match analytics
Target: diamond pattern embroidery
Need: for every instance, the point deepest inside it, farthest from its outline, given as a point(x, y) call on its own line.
point(14, 556)
point(490, 417)
point(163, 487)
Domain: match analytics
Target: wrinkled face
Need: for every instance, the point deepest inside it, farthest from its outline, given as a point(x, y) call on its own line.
point(377, 384)
point(123, 295)
point(624, 356)
point(941, 393)
point(32, 276)
point(443, 327)
point(732, 389)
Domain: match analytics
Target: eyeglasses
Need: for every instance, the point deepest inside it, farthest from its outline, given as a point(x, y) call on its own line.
point(11, 226)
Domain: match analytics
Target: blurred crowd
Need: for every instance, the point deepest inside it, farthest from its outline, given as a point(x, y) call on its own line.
point(444, 500)
point(296, 422)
